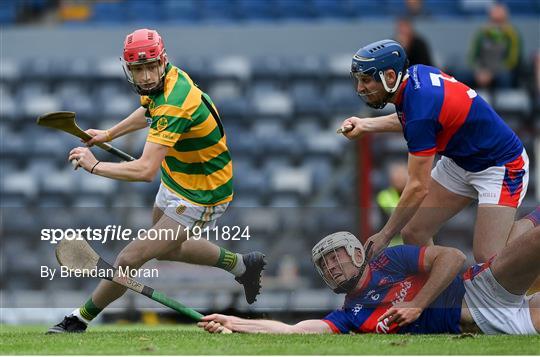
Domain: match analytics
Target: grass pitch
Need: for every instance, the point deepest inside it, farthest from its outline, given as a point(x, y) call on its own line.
point(187, 340)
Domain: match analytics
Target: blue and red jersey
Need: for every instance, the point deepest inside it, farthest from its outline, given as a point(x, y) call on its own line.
point(397, 275)
point(442, 115)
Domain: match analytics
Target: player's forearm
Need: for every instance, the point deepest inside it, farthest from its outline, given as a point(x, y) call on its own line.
point(383, 124)
point(410, 200)
point(260, 326)
point(444, 269)
point(134, 121)
point(237, 324)
point(126, 171)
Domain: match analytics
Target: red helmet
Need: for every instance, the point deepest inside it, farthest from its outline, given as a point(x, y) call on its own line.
point(141, 47)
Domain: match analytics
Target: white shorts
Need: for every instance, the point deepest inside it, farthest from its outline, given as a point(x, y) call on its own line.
point(500, 185)
point(186, 213)
point(495, 310)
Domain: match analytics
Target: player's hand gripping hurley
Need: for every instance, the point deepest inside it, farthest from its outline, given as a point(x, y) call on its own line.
point(344, 129)
point(65, 121)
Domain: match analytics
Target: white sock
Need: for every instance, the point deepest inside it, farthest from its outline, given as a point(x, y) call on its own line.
point(239, 268)
point(77, 313)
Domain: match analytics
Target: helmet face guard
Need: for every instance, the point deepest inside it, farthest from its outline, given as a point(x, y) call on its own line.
point(142, 88)
point(142, 49)
point(357, 77)
point(330, 245)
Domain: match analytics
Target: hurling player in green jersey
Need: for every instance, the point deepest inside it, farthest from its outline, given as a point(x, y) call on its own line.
point(187, 144)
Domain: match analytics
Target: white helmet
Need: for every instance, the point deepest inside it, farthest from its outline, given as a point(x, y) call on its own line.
point(331, 243)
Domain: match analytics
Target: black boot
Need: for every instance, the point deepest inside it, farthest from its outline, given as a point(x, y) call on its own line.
point(70, 324)
point(251, 279)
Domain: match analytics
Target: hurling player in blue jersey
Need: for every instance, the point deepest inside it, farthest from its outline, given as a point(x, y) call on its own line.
point(412, 289)
point(481, 157)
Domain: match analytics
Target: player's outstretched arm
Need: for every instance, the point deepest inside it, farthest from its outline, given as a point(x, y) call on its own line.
point(355, 128)
point(134, 121)
point(213, 323)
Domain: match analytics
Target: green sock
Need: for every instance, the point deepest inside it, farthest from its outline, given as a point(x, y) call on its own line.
point(89, 310)
point(227, 260)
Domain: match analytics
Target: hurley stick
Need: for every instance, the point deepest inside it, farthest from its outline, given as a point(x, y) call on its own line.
point(77, 254)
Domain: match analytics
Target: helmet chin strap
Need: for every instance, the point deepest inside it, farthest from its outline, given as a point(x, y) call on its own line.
point(389, 91)
point(385, 85)
point(155, 90)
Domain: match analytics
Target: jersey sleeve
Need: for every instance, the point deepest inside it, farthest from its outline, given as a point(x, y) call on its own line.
point(407, 259)
point(421, 136)
point(145, 103)
point(339, 321)
point(421, 110)
point(167, 129)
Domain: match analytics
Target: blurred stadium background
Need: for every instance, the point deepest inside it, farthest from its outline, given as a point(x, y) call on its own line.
point(278, 72)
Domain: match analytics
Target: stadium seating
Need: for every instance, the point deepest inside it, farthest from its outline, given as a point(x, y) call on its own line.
point(8, 13)
point(513, 101)
point(185, 11)
point(111, 12)
point(330, 9)
point(217, 11)
point(255, 10)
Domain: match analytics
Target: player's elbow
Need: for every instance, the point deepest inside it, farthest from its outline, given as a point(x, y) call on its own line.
point(456, 256)
point(147, 176)
point(298, 328)
point(146, 172)
point(459, 256)
point(308, 327)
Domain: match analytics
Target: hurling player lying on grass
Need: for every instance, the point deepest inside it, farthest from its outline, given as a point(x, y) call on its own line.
point(411, 289)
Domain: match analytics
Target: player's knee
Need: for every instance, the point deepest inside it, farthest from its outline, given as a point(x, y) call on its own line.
point(459, 255)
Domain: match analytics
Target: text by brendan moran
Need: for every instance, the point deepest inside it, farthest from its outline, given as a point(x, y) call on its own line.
point(104, 273)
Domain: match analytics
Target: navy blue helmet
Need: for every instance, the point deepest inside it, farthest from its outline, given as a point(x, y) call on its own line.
point(377, 57)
